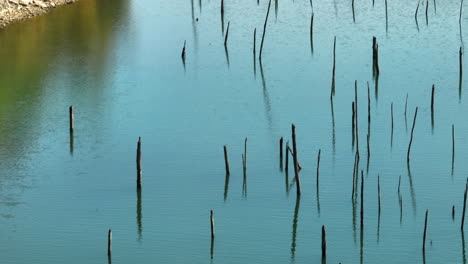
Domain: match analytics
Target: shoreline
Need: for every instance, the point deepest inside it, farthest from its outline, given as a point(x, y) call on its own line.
point(12, 11)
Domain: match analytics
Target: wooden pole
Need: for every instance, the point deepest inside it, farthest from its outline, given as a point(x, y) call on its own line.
point(460, 56)
point(287, 157)
point(334, 69)
point(227, 35)
point(416, 12)
point(432, 99)
point(318, 168)
point(391, 110)
point(281, 152)
point(254, 43)
point(356, 115)
point(461, 9)
point(264, 30)
point(72, 119)
point(453, 212)
point(425, 230)
point(399, 184)
point(427, 8)
point(354, 175)
point(453, 143)
point(212, 225)
point(324, 242)
point(226, 160)
point(138, 161)
point(353, 117)
point(296, 167)
point(411, 138)
point(362, 200)
point(183, 52)
point(312, 33)
point(368, 106)
point(464, 208)
point(245, 155)
point(109, 243)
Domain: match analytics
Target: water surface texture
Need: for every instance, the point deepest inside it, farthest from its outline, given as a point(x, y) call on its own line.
point(118, 62)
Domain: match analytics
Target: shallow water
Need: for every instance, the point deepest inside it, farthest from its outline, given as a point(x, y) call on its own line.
point(118, 63)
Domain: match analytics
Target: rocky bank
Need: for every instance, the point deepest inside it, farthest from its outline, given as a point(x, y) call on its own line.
point(15, 10)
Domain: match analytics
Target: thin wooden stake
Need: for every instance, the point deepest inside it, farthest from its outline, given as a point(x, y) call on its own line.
point(334, 69)
point(461, 9)
point(399, 183)
point(354, 175)
point(356, 116)
point(287, 157)
point(312, 33)
point(416, 12)
point(427, 8)
point(368, 105)
point(254, 42)
point(72, 119)
point(425, 230)
point(362, 200)
point(460, 56)
point(391, 110)
point(432, 99)
point(212, 225)
point(138, 161)
point(318, 168)
point(453, 212)
point(324, 242)
point(411, 138)
point(183, 52)
point(353, 121)
point(264, 30)
point(296, 167)
point(464, 208)
point(226, 160)
point(227, 35)
point(109, 243)
point(281, 152)
point(453, 144)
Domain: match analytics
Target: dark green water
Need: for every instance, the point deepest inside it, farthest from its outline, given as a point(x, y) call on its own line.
point(118, 63)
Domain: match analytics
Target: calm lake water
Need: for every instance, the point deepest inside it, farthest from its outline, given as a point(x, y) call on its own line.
point(118, 62)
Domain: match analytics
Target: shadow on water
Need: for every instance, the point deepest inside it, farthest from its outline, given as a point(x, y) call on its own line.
point(294, 227)
point(44, 46)
point(266, 97)
point(139, 215)
point(413, 195)
point(72, 139)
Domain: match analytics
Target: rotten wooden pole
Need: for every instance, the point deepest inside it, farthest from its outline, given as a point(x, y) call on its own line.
point(281, 152)
point(264, 30)
point(411, 138)
point(375, 52)
point(183, 52)
point(212, 225)
point(227, 35)
point(318, 168)
point(296, 167)
point(362, 200)
point(464, 208)
point(138, 163)
point(226, 160)
point(72, 119)
point(324, 243)
point(425, 230)
point(333, 70)
point(432, 99)
point(109, 243)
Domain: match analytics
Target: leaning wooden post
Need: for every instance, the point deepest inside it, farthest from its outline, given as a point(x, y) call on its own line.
point(324, 242)
point(212, 225)
point(425, 230)
point(72, 119)
point(281, 152)
point(109, 243)
point(411, 138)
point(464, 208)
point(296, 167)
point(264, 30)
point(138, 161)
point(226, 160)
point(227, 35)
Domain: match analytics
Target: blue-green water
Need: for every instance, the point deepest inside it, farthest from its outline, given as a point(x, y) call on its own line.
point(118, 63)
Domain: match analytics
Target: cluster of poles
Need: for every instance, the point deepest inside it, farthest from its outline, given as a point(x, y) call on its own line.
point(293, 152)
